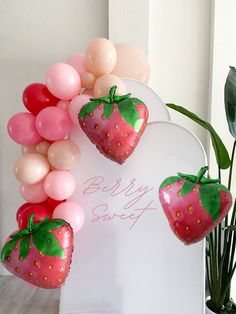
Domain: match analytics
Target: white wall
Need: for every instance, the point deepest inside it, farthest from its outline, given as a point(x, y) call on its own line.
point(33, 35)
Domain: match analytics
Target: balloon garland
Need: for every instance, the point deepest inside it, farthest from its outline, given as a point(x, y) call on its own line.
point(86, 91)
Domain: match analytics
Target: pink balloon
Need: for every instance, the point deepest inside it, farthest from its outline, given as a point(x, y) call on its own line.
point(21, 128)
point(77, 62)
point(75, 105)
point(88, 92)
point(33, 193)
point(63, 81)
point(104, 83)
point(63, 104)
point(100, 56)
point(87, 80)
point(59, 185)
point(72, 213)
point(53, 123)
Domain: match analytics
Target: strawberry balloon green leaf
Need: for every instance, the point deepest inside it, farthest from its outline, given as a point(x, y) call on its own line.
point(114, 124)
point(41, 253)
point(194, 205)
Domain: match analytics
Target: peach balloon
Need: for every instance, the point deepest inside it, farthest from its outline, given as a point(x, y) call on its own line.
point(63, 104)
point(31, 168)
point(88, 92)
point(28, 149)
point(63, 155)
point(105, 82)
point(131, 63)
point(33, 193)
point(59, 185)
point(88, 79)
point(63, 81)
point(100, 56)
point(75, 105)
point(42, 148)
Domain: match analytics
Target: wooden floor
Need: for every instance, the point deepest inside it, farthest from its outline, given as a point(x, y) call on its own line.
point(17, 297)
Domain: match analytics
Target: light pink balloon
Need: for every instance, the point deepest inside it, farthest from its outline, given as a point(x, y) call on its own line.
point(131, 63)
point(59, 185)
point(33, 193)
point(100, 56)
point(53, 123)
point(63, 104)
point(105, 82)
point(63, 81)
point(31, 168)
point(75, 105)
point(21, 128)
point(77, 62)
point(87, 80)
point(72, 213)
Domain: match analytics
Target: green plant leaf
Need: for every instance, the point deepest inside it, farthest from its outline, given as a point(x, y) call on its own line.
point(52, 224)
point(130, 113)
point(169, 181)
point(230, 100)
point(108, 109)
point(86, 109)
point(7, 249)
point(210, 199)
point(187, 188)
point(24, 247)
point(46, 243)
point(221, 153)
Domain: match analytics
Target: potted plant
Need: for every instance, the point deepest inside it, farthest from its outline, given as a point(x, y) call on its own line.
point(221, 242)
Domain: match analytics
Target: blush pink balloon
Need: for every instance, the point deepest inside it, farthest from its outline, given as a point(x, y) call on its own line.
point(88, 92)
point(87, 80)
point(21, 128)
point(72, 213)
point(105, 82)
point(131, 63)
point(77, 62)
point(63, 81)
point(75, 105)
point(33, 193)
point(100, 56)
point(63, 104)
point(59, 185)
point(53, 123)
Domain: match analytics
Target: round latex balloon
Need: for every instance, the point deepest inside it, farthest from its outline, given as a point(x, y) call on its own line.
point(88, 79)
point(63, 104)
point(63, 81)
point(21, 128)
point(33, 193)
point(40, 212)
point(100, 56)
point(31, 168)
point(131, 63)
point(72, 213)
point(105, 82)
point(42, 148)
point(51, 204)
point(77, 62)
point(36, 97)
point(28, 149)
point(75, 105)
point(63, 155)
point(53, 123)
point(21, 208)
point(59, 184)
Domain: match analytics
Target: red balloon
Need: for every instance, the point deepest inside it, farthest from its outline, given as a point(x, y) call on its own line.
point(51, 204)
point(21, 208)
point(40, 212)
point(36, 97)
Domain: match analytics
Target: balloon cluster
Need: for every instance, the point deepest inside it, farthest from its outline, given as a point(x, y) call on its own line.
point(53, 107)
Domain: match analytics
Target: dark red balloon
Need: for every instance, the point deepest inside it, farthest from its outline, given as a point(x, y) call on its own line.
point(40, 212)
point(36, 97)
point(21, 208)
point(51, 204)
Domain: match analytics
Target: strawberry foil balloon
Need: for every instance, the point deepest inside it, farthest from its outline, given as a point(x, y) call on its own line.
point(194, 205)
point(114, 124)
point(41, 253)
